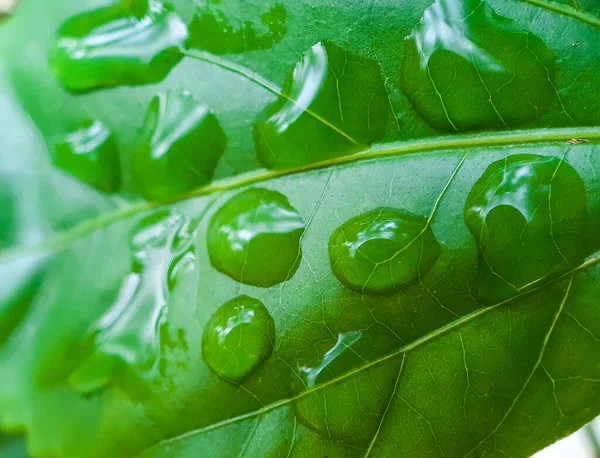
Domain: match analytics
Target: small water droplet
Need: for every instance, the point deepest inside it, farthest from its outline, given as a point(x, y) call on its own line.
point(528, 215)
point(118, 44)
point(90, 153)
point(181, 144)
point(333, 103)
point(213, 32)
point(255, 238)
point(238, 337)
point(466, 68)
point(382, 250)
point(312, 373)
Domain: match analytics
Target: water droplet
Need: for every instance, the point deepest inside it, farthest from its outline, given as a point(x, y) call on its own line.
point(213, 32)
point(90, 153)
point(238, 337)
point(466, 68)
point(255, 238)
point(137, 43)
point(181, 145)
point(528, 216)
point(313, 374)
point(357, 412)
point(333, 103)
point(128, 334)
point(382, 250)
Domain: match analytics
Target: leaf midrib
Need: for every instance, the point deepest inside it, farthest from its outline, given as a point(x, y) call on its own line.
point(400, 351)
point(62, 240)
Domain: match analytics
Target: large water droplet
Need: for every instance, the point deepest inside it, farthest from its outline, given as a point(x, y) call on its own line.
point(528, 216)
point(382, 250)
point(334, 103)
point(132, 43)
point(213, 32)
point(466, 67)
point(238, 337)
point(181, 145)
point(90, 153)
point(127, 335)
point(255, 238)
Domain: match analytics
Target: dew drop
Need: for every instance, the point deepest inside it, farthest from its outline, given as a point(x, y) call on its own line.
point(238, 338)
point(382, 250)
point(528, 216)
point(126, 43)
point(181, 144)
point(467, 68)
point(255, 238)
point(211, 31)
point(333, 103)
point(90, 153)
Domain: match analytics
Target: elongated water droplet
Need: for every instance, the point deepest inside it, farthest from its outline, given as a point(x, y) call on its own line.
point(528, 215)
point(133, 43)
point(127, 335)
point(213, 32)
point(255, 238)
point(238, 337)
point(333, 104)
point(90, 153)
point(181, 145)
point(382, 250)
point(466, 67)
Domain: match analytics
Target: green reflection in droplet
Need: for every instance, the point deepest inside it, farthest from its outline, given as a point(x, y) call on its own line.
point(238, 337)
point(125, 43)
point(528, 215)
point(334, 103)
point(90, 153)
point(181, 144)
point(213, 32)
point(466, 68)
point(255, 238)
point(382, 250)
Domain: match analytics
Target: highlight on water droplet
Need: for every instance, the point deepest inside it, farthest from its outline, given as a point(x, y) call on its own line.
point(528, 215)
point(123, 346)
point(255, 238)
point(90, 153)
point(466, 68)
point(382, 250)
point(238, 338)
point(212, 31)
point(180, 147)
point(127, 43)
point(334, 103)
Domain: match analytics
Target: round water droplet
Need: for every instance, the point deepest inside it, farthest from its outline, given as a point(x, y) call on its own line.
point(382, 250)
point(333, 103)
point(181, 144)
point(212, 31)
point(466, 68)
point(90, 153)
point(528, 215)
point(136, 43)
point(238, 337)
point(255, 238)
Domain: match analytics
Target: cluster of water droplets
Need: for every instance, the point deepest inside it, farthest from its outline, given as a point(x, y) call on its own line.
point(527, 214)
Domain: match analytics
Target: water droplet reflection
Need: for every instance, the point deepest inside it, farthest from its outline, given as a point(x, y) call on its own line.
point(467, 68)
point(382, 250)
point(132, 43)
point(255, 238)
point(238, 337)
point(333, 103)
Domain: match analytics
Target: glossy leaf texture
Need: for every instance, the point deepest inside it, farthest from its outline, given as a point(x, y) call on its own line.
point(299, 229)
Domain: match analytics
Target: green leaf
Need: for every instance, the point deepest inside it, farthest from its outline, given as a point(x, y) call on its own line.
point(414, 271)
